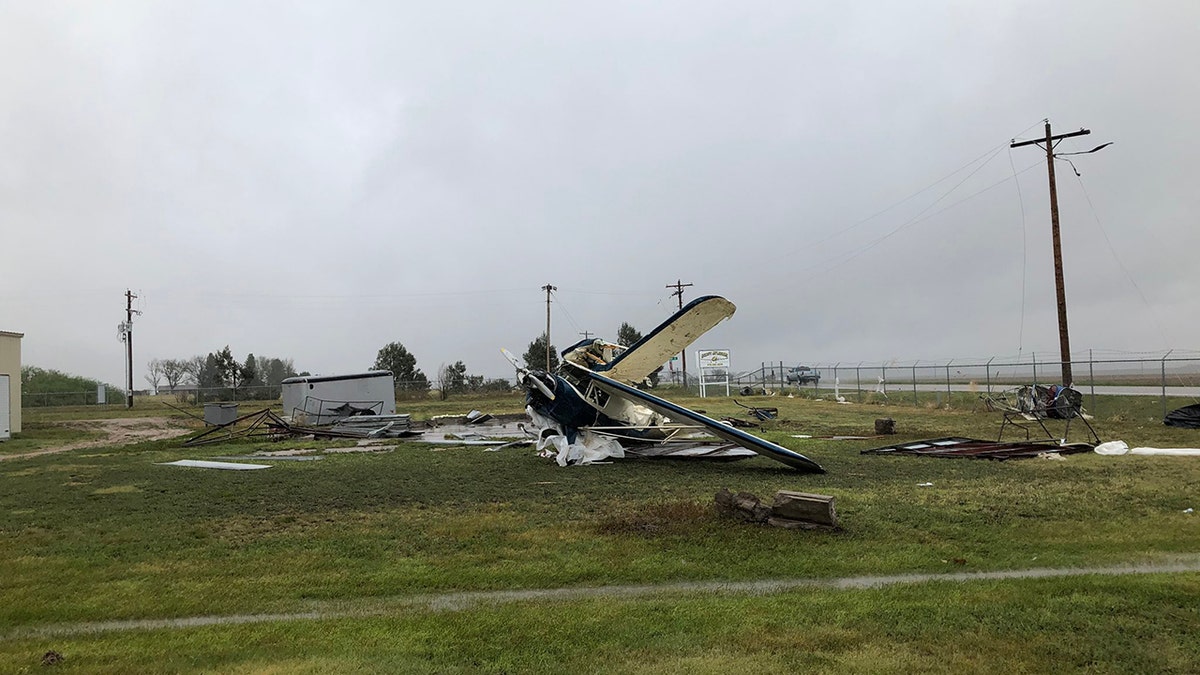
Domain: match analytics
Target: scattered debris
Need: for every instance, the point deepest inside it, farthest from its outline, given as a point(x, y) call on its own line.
point(1053, 401)
point(260, 424)
point(1122, 448)
point(977, 449)
point(229, 466)
point(52, 658)
point(834, 438)
point(373, 426)
point(274, 458)
point(924, 484)
point(885, 426)
point(791, 510)
point(1189, 510)
point(266, 424)
point(762, 414)
point(1051, 455)
point(1187, 417)
point(477, 417)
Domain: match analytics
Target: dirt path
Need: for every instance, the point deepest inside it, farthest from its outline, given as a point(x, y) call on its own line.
point(119, 431)
point(454, 602)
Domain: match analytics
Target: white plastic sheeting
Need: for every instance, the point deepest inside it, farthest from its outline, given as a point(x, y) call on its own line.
point(588, 448)
point(230, 466)
point(1122, 448)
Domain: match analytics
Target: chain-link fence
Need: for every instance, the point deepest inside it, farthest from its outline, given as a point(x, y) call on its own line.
point(188, 395)
point(1109, 386)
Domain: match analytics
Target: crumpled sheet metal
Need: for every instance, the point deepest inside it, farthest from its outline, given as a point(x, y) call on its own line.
point(955, 446)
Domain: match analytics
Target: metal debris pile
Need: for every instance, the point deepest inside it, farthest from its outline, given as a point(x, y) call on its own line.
point(974, 448)
point(267, 425)
point(374, 426)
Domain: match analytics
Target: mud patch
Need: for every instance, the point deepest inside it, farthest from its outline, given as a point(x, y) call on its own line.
point(117, 490)
point(120, 431)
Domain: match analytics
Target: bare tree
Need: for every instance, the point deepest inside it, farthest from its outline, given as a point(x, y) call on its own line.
point(154, 374)
point(174, 371)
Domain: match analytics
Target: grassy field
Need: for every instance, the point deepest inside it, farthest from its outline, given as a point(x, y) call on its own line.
point(105, 534)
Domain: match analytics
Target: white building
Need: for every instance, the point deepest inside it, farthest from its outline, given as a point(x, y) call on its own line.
point(10, 366)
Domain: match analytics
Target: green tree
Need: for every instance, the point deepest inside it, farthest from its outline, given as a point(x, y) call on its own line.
point(250, 371)
point(627, 335)
point(231, 373)
point(403, 365)
point(43, 387)
point(275, 371)
point(535, 356)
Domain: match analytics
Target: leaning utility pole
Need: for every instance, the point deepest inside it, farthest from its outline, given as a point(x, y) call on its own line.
point(1064, 341)
point(679, 286)
point(128, 334)
point(548, 288)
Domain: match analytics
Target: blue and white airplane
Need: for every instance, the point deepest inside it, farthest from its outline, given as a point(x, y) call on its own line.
point(594, 394)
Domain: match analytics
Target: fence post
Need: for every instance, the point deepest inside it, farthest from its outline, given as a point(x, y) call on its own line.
point(858, 380)
point(836, 392)
point(1092, 381)
point(948, 382)
point(1164, 382)
point(989, 375)
point(916, 403)
point(1034, 355)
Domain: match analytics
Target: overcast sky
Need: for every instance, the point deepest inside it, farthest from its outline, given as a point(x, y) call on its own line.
point(315, 180)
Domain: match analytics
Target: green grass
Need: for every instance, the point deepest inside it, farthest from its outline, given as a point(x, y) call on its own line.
point(1144, 624)
point(106, 534)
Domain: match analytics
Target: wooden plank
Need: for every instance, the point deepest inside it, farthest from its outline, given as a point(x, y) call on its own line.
point(804, 507)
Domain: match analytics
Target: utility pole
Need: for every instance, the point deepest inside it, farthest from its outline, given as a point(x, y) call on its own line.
point(679, 286)
point(127, 333)
point(1064, 341)
point(548, 288)
point(587, 334)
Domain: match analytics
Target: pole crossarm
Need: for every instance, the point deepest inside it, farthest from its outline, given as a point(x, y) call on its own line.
point(1059, 137)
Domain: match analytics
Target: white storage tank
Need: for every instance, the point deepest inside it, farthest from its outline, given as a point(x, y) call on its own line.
point(324, 399)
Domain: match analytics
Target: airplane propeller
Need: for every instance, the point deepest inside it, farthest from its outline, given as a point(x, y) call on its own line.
point(526, 377)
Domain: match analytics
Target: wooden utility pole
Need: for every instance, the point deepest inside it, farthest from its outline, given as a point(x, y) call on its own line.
point(1064, 341)
point(129, 311)
point(548, 288)
point(679, 286)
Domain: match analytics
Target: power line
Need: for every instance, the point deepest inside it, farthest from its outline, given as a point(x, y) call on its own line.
point(1024, 251)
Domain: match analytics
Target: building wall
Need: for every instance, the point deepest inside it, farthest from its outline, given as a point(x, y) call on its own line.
point(10, 364)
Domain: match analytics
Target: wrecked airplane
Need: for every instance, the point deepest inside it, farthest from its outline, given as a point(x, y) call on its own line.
point(591, 409)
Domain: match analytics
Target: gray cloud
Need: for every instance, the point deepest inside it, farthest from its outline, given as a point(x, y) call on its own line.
point(315, 180)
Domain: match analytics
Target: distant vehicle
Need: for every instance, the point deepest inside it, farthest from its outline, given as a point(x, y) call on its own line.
point(801, 375)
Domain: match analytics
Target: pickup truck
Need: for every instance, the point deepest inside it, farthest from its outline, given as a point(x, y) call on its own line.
point(801, 375)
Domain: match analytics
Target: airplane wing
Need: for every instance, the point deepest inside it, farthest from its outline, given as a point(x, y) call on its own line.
point(669, 338)
point(723, 431)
